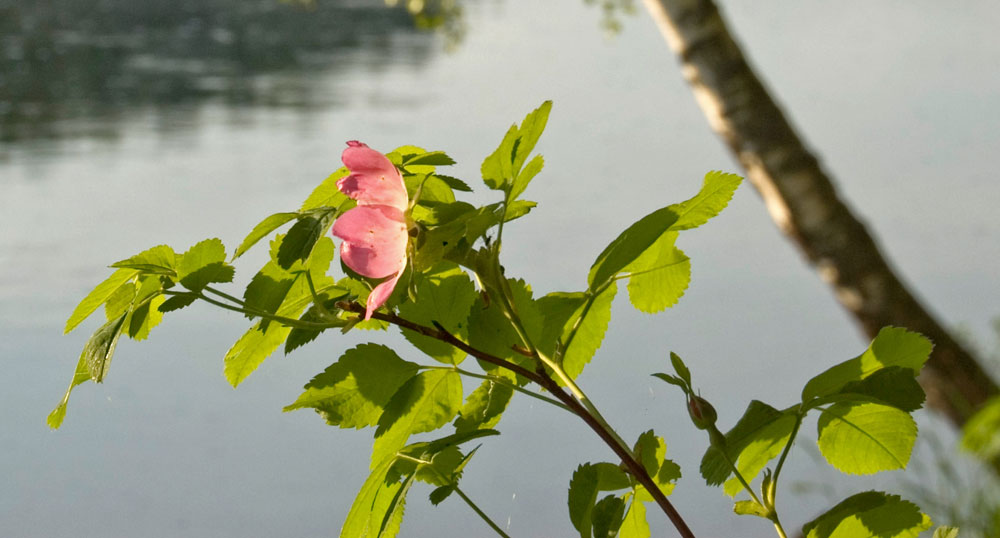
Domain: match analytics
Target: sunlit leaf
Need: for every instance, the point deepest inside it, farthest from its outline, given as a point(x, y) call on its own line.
point(424, 403)
point(203, 264)
point(353, 392)
point(651, 450)
point(98, 296)
point(490, 331)
point(767, 442)
point(262, 230)
point(980, 434)
point(634, 524)
point(582, 496)
point(659, 276)
point(484, 406)
point(160, 259)
point(871, 513)
point(298, 243)
point(525, 176)
point(716, 192)
point(444, 295)
point(892, 346)
point(100, 348)
point(749, 508)
point(370, 508)
point(866, 438)
point(754, 425)
point(433, 158)
point(80, 375)
point(326, 194)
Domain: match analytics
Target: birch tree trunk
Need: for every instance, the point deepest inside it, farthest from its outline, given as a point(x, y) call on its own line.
point(803, 201)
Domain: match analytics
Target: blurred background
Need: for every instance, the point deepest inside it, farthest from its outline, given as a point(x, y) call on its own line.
point(129, 124)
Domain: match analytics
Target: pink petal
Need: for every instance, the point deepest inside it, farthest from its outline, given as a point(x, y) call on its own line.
point(375, 239)
point(381, 294)
point(373, 180)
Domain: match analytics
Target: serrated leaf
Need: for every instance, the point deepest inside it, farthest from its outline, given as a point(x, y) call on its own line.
point(634, 524)
point(658, 277)
point(444, 295)
point(353, 392)
point(680, 368)
point(651, 451)
point(440, 494)
point(767, 442)
point(262, 230)
point(979, 435)
point(203, 264)
point(98, 296)
point(177, 302)
point(575, 323)
point(160, 259)
point(872, 513)
point(455, 183)
point(484, 407)
point(581, 498)
point(393, 508)
point(80, 375)
point(892, 346)
point(496, 168)
point(893, 386)
point(370, 507)
point(424, 403)
point(525, 176)
point(300, 336)
point(518, 209)
point(298, 243)
point(611, 477)
point(490, 331)
point(866, 438)
point(146, 316)
point(715, 194)
point(326, 194)
point(607, 516)
point(120, 301)
point(749, 508)
point(433, 158)
point(753, 425)
point(530, 131)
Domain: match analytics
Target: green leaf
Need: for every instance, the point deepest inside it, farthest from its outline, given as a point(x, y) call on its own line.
point(444, 295)
point(98, 296)
point(160, 259)
point(440, 494)
point(177, 302)
point(490, 331)
point(767, 442)
point(262, 230)
point(370, 509)
point(203, 264)
point(979, 435)
point(651, 450)
point(892, 346)
point(673, 380)
point(101, 346)
point(525, 176)
point(433, 158)
point(607, 516)
point(268, 288)
point(945, 532)
point(504, 164)
point(575, 323)
point(658, 277)
point(484, 406)
point(749, 508)
point(518, 209)
point(120, 301)
point(715, 194)
point(298, 244)
point(582, 496)
point(531, 130)
point(497, 169)
point(893, 386)
point(635, 525)
point(871, 513)
point(680, 368)
point(146, 316)
point(754, 425)
point(611, 477)
point(327, 194)
point(392, 507)
point(424, 403)
point(454, 183)
point(866, 438)
point(353, 392)
point(80, 375)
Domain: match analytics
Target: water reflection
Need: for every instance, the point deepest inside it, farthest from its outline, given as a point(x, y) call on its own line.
point(73, 68)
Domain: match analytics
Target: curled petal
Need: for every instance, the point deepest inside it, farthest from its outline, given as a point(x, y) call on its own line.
point(373, 180)
point(375, 239)
point(380, 295)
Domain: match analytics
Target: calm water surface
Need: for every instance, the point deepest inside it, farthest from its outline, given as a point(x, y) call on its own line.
point(145, 145)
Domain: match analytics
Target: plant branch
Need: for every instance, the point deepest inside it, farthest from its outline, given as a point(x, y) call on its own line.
point(599, 426)
point(479, 512)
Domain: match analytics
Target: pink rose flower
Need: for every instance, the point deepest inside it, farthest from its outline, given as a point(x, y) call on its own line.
point(375, 232)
